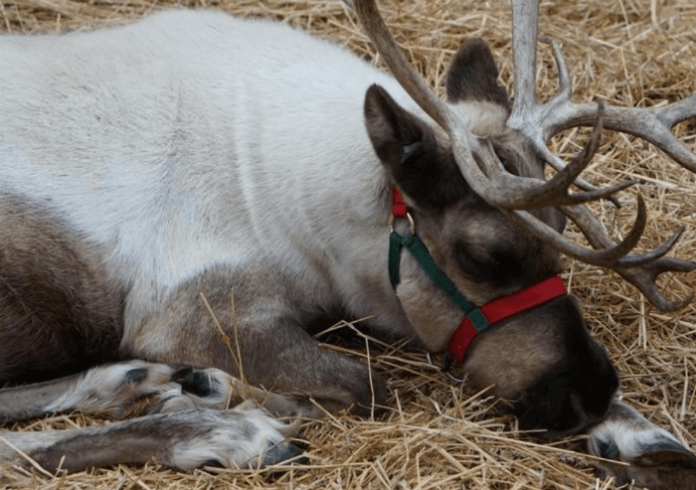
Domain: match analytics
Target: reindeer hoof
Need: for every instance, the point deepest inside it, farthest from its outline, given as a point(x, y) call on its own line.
point(284, 454)
point(645, 455)
point(659, 467)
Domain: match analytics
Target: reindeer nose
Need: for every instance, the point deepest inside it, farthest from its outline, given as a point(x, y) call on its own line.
point(576, 419)
point(599, 387)
point(582, 417)
point(568, 402)
point(592, 391)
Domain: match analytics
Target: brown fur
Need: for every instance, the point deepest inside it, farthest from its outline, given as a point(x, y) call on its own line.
point(54, 290)
point(265, 330)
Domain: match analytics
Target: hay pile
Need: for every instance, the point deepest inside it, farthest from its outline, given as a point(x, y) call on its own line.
point(439, 435)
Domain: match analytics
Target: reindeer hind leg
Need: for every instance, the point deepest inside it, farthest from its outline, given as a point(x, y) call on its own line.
point(60, 312)
point(186, 440)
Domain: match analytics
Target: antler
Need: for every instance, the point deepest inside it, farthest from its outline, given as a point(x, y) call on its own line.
point(515, 195)
point(539, 122)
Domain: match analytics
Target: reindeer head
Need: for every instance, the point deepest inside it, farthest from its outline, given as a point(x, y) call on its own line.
point(480, 203)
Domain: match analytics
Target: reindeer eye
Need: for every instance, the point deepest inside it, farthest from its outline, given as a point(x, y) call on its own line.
point(507, 264)
point(474, 260)
point(488, 263)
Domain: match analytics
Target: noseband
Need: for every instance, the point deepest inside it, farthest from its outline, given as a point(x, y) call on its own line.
point(476, 319)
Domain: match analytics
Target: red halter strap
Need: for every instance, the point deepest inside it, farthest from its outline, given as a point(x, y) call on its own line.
point(505, 307)
point(399, 208)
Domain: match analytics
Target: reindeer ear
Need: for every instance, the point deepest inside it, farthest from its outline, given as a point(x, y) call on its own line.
point(474, 76)
point(407, 147)
point(390, 127)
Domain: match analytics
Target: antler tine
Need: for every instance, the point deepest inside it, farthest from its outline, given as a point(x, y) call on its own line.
point(541, 122)
point(635, 268)
point(565, 85)
point(374, 25)
point(639, 270)
point(652, 124)
point(503, 190)
point(644, 279)
point(525, 22)
point(528, 114)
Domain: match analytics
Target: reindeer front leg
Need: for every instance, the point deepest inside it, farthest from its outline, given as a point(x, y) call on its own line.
point(138, 387)
point(251, 324)
point(114, 389)
point(186, 425)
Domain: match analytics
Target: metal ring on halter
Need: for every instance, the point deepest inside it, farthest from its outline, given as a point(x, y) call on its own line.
point(449, 374)
point(452, 377)
point(430, 360)
point(410, 221)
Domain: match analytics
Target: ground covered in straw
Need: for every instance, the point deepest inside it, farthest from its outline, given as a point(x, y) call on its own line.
point(441, 435)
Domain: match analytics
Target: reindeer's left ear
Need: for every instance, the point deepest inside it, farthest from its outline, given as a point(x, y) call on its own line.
point(393, 130)
point(474, 76)
point(408, 149)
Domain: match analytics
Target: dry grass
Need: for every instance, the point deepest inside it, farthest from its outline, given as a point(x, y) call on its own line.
point(439, 435)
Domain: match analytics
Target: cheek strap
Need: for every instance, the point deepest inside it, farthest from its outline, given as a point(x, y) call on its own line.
point(505, 307)
point(476, 320)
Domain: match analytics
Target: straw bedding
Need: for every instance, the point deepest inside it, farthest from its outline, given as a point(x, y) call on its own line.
point(442, 435)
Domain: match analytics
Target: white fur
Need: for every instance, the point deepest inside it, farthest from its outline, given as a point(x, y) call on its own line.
point(631, 434)
point(107, 387)
point(167, 151)
point(226, 444)
point(229, 144)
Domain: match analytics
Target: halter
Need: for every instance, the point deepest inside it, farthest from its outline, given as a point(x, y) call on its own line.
point(476, 319)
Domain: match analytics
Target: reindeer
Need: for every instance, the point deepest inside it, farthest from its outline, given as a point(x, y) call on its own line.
point(250, 182)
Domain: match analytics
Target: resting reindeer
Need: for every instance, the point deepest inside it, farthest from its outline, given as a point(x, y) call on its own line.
point(242, 178)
